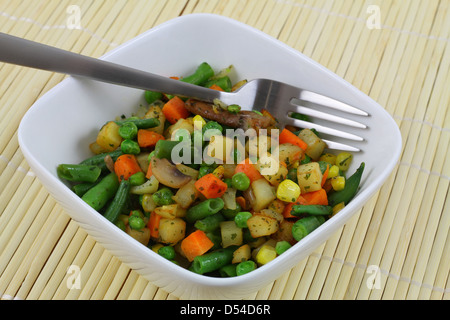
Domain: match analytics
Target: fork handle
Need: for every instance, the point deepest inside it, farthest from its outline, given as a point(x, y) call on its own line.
point(27, 53)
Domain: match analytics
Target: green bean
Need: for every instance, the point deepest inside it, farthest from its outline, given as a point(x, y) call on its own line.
point(140, 123)
point(117, 205)
point(79, 172)
point(210, 223)
point(228, 271)
point(350, 189)
point(245, 267)
point(204, 209)
point(99, 159)
point(200, 76)
point(216, 238)
point(304, 226)
point(101, 193)
point(312, 209)
point(163, 149)
point(81, 188)
point(213, 261)
point(231, 213)
point(223, 82)
point(152, 96)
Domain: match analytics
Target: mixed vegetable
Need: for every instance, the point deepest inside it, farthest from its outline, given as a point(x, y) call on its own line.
point(214, 218)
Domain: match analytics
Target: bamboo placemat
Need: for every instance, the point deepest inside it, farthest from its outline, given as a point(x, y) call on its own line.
point(398, 52)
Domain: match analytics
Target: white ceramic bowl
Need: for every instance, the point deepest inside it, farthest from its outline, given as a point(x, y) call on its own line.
point(59, 127)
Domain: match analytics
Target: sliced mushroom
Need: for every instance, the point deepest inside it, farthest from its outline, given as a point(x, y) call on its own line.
point(168, 174)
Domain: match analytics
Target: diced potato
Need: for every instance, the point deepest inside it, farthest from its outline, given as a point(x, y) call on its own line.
point(284, 232)
point(186, 124)
point(143, 235)
point(277, 205)
point(264, 242)
point(170, 211)
point(272, 170)
point(186, 195)
point(155, 111)
point(264, 194)
point(315, 144)
point(171, 231)
point(243, 253)
point(271, 214)
point(257, 145)
point(96, 149)
point(109, 138)
point(289, 153)
point(260, 226)
point(231, 234)
point(229, 198)
point(309, 177)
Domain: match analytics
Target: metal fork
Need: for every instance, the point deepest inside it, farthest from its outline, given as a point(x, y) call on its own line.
point(280, 99)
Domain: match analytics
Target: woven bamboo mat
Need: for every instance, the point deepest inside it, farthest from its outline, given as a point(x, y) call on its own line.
point(398, 52)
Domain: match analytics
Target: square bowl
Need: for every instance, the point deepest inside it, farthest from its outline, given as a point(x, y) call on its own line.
point(59, 127)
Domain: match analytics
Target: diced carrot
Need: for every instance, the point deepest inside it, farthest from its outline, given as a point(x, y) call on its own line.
point(149, 171)
point(249, 169)
point(125, 166)
point(325, 175)
point(211, 186)
point(216, 87)
point(147, 138)
point(196, 244)
point(175, 109)
point(316, 197)
point(153, 224)
point(288, 208)
point(287, 136)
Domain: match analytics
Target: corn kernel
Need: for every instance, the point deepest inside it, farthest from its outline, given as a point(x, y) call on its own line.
point(295, 165)
point(328, 157)
point(199, 122)
point(266, 254)
point(338, 207)
point(338, 183)
point(333, 172)
point(288, 191)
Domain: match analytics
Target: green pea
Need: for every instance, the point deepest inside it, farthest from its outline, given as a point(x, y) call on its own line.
point(241, 219)
point(137, 179)
point(128, 130)
point(240, 181)
point(130, 147)
point(167, 252)
point(245, 267)
point(163, 197)
point(234, 108)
